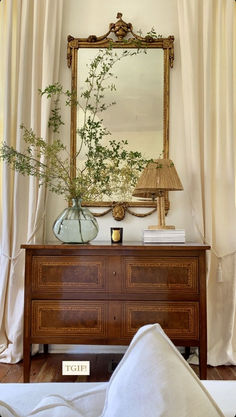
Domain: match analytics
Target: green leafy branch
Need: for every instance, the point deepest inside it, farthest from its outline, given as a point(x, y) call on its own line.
point(107, 169)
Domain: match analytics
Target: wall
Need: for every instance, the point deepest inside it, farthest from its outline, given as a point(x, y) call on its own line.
point(81, 19)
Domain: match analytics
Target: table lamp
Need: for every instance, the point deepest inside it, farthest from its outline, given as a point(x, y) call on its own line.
point(158, 176)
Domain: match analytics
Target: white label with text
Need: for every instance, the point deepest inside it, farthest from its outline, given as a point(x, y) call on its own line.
point(75, 368)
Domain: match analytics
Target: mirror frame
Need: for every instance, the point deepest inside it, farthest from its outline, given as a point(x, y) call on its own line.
point(120, 30)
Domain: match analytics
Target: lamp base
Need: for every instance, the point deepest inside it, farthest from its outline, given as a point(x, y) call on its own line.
point(157, 227)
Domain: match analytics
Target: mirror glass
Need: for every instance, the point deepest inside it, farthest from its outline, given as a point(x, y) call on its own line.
point(137, 115)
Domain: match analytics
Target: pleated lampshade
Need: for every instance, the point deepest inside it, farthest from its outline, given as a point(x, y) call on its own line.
point(159, 176)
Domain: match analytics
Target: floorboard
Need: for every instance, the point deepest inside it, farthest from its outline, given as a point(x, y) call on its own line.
point(48, 368)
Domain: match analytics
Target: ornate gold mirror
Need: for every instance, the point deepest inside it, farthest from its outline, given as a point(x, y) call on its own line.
point(141, 112)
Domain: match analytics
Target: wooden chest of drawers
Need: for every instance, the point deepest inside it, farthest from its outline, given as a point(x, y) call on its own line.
point(102, 293)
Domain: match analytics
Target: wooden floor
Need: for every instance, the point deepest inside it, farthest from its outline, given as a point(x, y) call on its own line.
point(47, 368)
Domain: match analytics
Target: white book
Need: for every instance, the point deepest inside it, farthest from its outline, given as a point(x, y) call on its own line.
point(164, 237)
point(163, 232)
point(164, 241)
point(169, 236)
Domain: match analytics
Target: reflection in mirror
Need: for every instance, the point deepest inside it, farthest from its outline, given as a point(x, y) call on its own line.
point(137, 115)
point(141, 112)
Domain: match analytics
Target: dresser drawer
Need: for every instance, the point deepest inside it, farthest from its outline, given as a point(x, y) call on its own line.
point(77, 274)
point(69, 318)
point(180, 320)
point(160, 275)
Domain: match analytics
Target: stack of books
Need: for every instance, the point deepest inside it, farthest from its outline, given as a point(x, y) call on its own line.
point(164, 236)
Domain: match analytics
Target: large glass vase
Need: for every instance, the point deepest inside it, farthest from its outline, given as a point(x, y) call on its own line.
point(76, 224)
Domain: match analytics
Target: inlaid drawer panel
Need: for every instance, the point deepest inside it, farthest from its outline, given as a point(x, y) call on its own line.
point(166, 275)
point(178, 319)
point(61, 318)
point(68, 274)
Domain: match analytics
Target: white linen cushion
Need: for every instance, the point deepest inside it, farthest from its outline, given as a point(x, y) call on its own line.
point(86, 404)
point(153, 380)
point(15, 394)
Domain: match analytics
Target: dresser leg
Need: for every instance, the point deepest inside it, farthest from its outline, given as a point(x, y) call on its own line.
point(45, 348)
point(202, 362)
point(186, 352)
point(26, 363)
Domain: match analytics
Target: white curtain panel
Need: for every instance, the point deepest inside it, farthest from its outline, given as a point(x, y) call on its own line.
point(206, 42)
point(30, 47)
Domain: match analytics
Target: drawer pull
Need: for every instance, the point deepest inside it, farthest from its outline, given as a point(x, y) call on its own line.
point(114, 317)
point(114, 272)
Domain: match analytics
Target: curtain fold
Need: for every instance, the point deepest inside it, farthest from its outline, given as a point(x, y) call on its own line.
point(206, 41)
point(30, 47)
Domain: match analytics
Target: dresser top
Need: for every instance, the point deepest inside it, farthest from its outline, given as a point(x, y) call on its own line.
point(117, 246)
